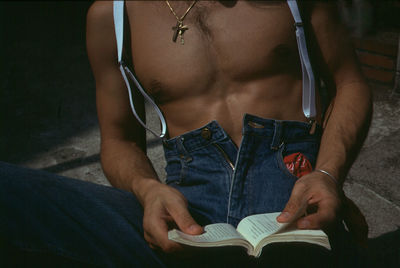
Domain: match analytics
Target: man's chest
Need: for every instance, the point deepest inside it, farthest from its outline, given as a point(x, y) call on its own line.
point(236, 41)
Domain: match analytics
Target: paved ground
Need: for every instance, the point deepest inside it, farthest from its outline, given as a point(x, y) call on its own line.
point(48, 118)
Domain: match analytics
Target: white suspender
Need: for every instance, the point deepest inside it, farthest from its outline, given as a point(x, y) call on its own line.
point(309, 109)
point(118, 9)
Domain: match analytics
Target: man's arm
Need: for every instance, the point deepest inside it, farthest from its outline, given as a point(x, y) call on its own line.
point(346, 127)
point(123, 141)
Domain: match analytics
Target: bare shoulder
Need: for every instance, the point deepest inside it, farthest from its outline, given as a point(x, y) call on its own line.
point(100, 37)
point(99, 21)
point(333, 41)
point(327, 26)
point(100, 12)
point(323, 12)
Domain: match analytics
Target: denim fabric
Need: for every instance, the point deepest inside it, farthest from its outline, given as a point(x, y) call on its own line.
point(259, 182)
point(44, 216)
point(53, 221)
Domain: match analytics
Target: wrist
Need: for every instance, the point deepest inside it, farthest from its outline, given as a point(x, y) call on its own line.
point(330, 174)
point(140, 188)
point(333, 178)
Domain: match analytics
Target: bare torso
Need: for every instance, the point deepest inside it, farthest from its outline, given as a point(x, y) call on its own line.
point(237, 58)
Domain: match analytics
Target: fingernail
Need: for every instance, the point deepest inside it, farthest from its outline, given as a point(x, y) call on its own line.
point(284, 215)
point(304, 224)
point(193, 228)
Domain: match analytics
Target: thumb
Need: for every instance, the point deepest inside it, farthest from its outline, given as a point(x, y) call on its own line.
point(294, 209)
point(184, 220)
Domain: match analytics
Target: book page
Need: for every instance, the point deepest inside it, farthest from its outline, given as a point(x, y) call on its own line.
point(317, 237)
point(256, 227)
point(212, 233)
point(303, 232)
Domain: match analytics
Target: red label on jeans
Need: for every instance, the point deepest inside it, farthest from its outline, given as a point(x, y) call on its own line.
point(297, 164)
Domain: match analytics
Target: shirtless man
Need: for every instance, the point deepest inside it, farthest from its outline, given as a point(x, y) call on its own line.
point(239, 65)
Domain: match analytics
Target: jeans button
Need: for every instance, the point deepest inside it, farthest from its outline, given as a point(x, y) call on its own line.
point(206, 133)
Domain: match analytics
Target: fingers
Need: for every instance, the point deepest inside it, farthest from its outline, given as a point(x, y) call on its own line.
point(314, 195)
point(167, 209)
point(322, 218)
point(183, 219)
point(296, 206)
point(156, 234)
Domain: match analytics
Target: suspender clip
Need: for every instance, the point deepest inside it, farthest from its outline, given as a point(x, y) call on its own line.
point(122, 63)
point(298, 24)
point(313, 125)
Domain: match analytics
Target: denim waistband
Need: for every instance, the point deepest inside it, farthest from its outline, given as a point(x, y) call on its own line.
point(277, 130)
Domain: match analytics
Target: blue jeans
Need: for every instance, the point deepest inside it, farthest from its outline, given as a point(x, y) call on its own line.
point(53, 220)
point(225, 184)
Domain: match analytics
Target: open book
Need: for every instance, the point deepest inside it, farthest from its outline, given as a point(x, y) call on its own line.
point(253, 232)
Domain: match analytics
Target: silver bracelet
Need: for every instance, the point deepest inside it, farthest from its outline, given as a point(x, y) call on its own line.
point(327, 173)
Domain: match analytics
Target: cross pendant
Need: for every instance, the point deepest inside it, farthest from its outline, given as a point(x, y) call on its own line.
point(179, 29)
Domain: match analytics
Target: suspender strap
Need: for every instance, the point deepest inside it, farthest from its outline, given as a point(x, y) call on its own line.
point(118, 11)
point(309, 109)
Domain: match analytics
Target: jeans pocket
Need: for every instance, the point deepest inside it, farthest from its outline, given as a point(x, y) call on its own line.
point(306, 151)
point(281, 163)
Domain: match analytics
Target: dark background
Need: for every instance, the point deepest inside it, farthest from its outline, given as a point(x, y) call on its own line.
point(44, 76)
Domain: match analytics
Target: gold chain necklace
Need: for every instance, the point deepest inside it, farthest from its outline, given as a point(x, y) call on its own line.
point(180, 28)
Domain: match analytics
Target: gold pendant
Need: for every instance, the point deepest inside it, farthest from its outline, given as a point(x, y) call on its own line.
point(179, 29)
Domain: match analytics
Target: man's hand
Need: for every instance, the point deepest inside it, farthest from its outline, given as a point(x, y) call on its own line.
point(165, 208)
point(317, 195)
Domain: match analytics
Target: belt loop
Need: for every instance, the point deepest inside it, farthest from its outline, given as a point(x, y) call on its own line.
point(166, 144)
point(183, 153)
point(276, 140)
